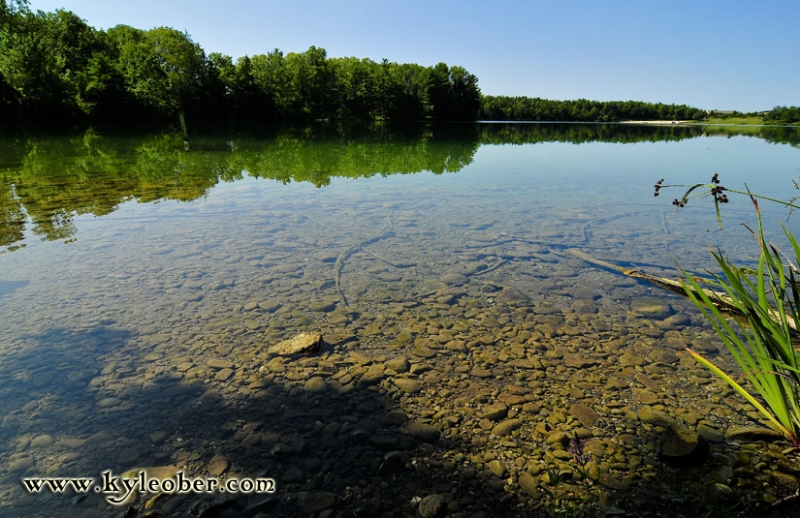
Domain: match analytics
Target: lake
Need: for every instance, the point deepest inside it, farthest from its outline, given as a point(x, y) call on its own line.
point(468, 350)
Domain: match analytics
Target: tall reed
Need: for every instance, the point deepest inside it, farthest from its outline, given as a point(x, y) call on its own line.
point(763, 337)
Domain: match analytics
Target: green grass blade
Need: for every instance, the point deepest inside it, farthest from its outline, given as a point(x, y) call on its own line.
point(774, 423)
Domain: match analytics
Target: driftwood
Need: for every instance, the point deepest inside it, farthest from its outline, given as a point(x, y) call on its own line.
point(722, 301)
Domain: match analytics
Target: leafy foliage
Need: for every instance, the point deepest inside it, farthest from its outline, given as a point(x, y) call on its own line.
point(57, 71)
point(54, 68)
point(783, 115)
point(582, 110)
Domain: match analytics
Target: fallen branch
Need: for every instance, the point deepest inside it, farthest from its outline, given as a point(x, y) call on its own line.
point(719, 299)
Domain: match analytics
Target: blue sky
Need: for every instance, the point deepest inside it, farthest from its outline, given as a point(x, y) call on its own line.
point(712, 54)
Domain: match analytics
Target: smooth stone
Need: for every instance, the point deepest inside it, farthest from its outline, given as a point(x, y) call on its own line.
point(562, 454)
point(216, 363)
point(529, 485)
point(407, 385)
point(373, 375)
point(577, 361)
point(649, 415)
point(42, 440)
point(651, 307)
point(20, 464)
point(681, 445)
point(647, 382)
point(423, 432)
point(511, 296)
point(677, 320)
point(359, 358)
point(397, 364)
point(315, 385)
point(224, 375)
point(497, 468)
point(495, 411)
point(423, 351)
point(506, 427)
point(109, 402)
point(454, 279)
point(456, 346)
point(646, 397)
point(276, 365)
point(558, 437)
point(322, 306)
point(586, 415)
point(218, 465)
point(303, 343)
point(432, 506)
point(72, 443)
point(628, 359)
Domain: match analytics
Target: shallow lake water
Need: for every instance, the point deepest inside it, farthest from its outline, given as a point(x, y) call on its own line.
point(141, 286)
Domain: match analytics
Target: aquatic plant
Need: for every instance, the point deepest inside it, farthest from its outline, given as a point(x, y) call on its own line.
point(766, 302)
point(581, 457)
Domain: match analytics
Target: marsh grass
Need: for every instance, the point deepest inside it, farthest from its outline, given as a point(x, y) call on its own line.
point(763, 339)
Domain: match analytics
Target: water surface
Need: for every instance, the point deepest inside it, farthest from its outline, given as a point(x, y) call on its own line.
point(141, 284)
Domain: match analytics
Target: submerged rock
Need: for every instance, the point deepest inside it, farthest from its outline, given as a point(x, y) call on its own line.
point(681, 445)
point(432, 506)
point(304, 343)
point(310, 502)
point(651, 307)
point(586, 415)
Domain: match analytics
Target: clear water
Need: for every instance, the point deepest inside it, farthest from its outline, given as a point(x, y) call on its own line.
point(129, 263)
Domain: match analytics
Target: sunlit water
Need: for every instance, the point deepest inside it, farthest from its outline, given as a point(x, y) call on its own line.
point(109, 317)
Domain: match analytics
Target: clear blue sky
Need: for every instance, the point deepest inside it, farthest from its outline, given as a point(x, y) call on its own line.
point(712, 54)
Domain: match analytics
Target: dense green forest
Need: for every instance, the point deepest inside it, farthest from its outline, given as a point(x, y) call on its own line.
point(54, 68)
point(582, 110)
point(57, 72)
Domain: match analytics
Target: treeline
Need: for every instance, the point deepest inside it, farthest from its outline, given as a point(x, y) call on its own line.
point(55, 69)
point(783, 115)
point(582, 110)
point(537, 133)
point(58, 72)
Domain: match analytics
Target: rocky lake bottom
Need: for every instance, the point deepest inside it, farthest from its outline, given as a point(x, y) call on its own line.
point(472, 363)
point(465, 370)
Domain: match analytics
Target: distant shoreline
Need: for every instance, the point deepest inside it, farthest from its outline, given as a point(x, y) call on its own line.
point(660, 123)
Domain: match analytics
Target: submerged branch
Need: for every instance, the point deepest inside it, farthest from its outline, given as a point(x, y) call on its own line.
point(719, 299)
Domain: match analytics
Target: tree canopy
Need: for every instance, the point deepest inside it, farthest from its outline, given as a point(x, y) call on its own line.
point(55, 69)
point(59, 72)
